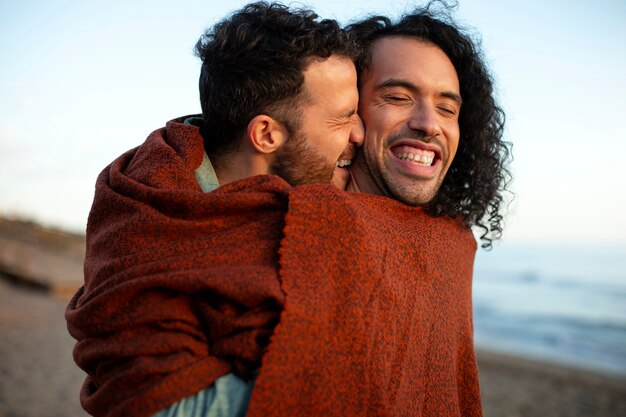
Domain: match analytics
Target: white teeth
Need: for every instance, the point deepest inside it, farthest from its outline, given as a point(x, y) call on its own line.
point(422, 160)
point(343, 163)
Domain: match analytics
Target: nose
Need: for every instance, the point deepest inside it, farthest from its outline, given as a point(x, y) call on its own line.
point(426, 120)
point(357, 134)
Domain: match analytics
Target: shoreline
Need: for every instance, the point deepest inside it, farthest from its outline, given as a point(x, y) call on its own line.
point(496, 357)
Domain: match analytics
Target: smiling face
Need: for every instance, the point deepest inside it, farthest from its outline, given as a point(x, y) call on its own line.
point(409, 104)
point(330, 131)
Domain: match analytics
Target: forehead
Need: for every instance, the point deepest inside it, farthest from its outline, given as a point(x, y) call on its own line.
point(331, 81)
point(413, 60)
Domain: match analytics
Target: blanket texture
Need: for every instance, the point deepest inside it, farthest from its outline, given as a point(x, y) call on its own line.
point(372, 297)
point(378, 315)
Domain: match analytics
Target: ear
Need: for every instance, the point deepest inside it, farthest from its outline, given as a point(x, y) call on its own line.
point(266, 134)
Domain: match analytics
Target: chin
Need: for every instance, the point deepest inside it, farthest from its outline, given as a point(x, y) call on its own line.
point(413, 197)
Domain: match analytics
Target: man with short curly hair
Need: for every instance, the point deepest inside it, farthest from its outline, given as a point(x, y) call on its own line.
point(279, 96)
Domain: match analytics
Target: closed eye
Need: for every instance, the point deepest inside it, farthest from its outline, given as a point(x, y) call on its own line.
point(448, 110)
point(397, 99)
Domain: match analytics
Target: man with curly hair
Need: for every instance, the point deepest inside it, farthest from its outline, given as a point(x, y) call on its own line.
point(433, 128)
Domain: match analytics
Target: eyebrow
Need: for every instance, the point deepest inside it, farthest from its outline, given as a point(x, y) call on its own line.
point(394, 82)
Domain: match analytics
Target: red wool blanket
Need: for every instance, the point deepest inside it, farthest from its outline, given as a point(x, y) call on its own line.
point(372, 297)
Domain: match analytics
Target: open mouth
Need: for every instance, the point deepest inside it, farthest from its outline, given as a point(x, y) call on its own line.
point(343, 163)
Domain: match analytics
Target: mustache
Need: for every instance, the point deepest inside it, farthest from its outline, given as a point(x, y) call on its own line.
point(409, 134)
point(416, 135)
point(349, 152)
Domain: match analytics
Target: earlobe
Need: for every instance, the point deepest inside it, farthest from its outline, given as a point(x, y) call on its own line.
point(266, 134)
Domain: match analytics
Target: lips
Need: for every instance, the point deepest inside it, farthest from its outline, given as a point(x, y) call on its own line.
point(417, 158)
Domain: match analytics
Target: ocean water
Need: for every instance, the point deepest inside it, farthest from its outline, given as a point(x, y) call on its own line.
point(565, 304)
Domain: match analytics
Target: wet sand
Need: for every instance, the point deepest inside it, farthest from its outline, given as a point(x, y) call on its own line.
point(39, 378)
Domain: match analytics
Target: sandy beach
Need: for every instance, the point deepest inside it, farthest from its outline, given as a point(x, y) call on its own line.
point(516, 387)
point(39, 377)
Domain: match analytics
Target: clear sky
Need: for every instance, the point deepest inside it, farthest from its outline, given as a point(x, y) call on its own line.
point(83, 81)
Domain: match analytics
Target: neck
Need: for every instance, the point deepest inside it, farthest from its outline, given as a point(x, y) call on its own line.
point(361, 180)
point(236, 166)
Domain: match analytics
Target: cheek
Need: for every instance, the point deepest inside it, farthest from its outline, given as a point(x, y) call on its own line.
point(386, 120)
point(372, 145)
point(378, 129)
point(337, 143)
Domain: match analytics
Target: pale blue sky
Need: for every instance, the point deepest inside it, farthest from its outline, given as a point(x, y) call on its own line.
point(83, 81)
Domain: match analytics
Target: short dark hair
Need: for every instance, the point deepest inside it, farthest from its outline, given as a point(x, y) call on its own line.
point(253, 63)
point(478, 176)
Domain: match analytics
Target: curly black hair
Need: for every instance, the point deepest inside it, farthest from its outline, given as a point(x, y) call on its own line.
point(253, 63)
point(474, 185)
